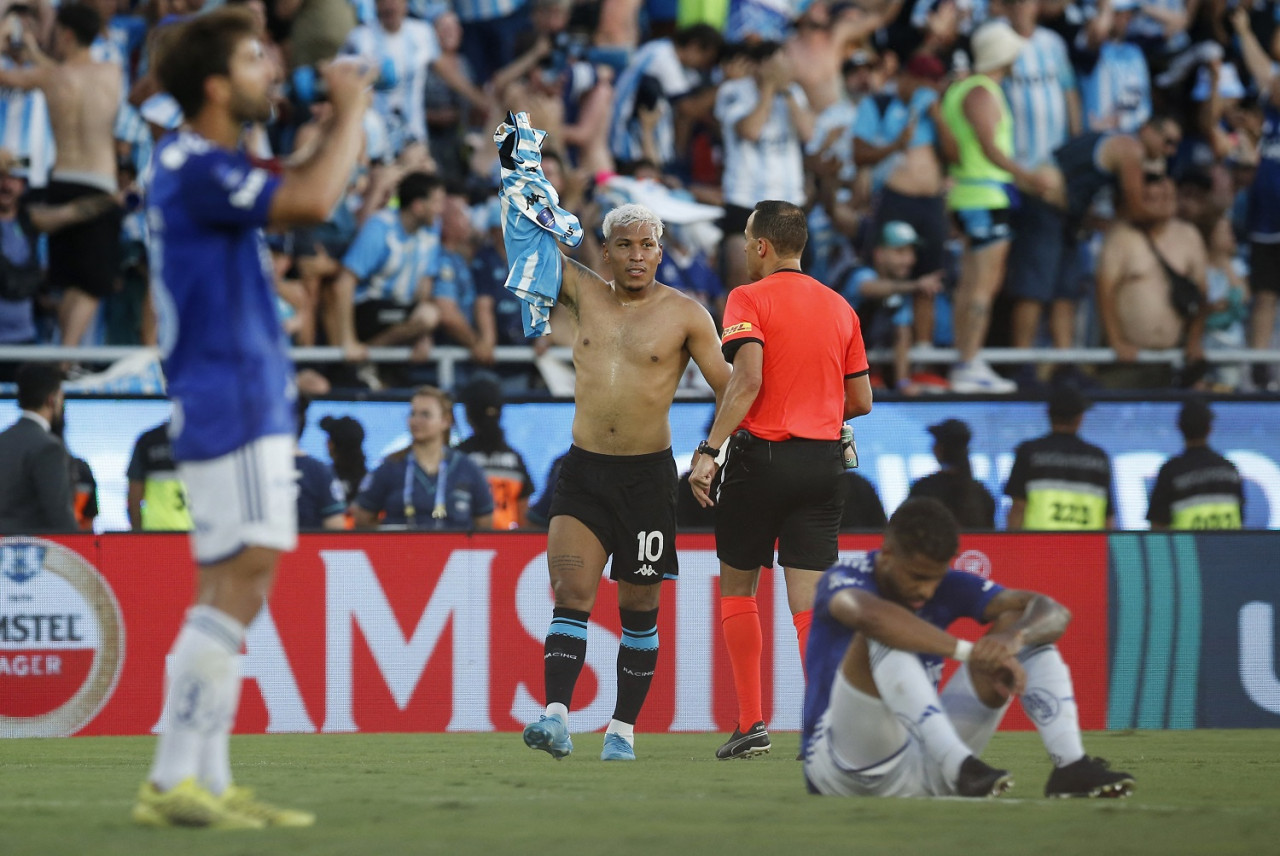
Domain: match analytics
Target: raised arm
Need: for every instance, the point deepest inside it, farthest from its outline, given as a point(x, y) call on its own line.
point(311, 189)
point(575, 278)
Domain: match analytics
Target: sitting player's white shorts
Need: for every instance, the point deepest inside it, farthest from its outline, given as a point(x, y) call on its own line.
point(860, 748)
point(246, 498)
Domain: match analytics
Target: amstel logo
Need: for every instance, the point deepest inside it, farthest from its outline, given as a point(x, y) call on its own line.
point(61, 639)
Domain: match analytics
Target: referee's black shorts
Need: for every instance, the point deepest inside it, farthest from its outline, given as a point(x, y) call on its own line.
point(785, 492)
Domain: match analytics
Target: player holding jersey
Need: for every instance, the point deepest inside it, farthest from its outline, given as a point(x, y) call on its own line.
point(231, 383)
point(875, 723)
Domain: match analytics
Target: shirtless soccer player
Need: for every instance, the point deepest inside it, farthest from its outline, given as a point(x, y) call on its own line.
point(616, 495)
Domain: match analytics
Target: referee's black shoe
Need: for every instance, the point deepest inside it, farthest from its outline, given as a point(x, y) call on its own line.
point(754, 742)
point(979, 779)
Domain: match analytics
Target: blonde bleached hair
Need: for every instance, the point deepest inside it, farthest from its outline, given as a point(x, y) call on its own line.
point(629, 214)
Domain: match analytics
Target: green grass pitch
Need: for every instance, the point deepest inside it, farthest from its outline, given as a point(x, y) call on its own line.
point(1199, 792)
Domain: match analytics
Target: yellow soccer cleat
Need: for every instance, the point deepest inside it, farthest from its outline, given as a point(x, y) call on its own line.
point(240, 801)
point(188, 804)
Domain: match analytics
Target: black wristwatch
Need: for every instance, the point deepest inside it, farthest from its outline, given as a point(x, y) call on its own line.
point(705, 448)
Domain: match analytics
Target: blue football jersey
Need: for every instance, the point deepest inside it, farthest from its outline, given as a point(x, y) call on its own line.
point(222, 347)
point(959, 595)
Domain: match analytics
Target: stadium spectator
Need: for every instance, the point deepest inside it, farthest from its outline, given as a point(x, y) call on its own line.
point(317, 28)
point(1041, 90)
point(912, 190)
point(462, 321)
point(503, 466)
point(157, 500)
point(1115, 80)
point(322, 499)
point(765, 120)
point(426, 485)
point(979, 140)
point(616, 487)
point(862, 507)
point(21, 273)
point(793, 385)
point(448, 111)
point(406, 52)
point(1198, 489)
point(664, 87)
point(24, 114)
point(1060, 482)
point(382, 296)
point(1151, 291)
point(489, 32)
point(83, 96)
point(1263, 219)
point(880, 636)
point(346, 451)
point(883, 295)
point(35, 483)
point(953, 484)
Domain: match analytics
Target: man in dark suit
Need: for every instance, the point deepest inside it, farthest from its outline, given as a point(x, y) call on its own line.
point(35, 487)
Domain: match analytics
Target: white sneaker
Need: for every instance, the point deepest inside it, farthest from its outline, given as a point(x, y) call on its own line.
point(978, 377)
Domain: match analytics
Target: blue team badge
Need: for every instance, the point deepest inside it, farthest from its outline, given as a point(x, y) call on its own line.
point(546, 217)
point(21, 562)
point(1043, 707)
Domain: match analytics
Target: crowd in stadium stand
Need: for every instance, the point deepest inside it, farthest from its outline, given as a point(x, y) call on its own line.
point(699, 110)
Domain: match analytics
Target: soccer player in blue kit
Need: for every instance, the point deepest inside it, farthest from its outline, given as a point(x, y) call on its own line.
point(231, 383)
point(875, 723)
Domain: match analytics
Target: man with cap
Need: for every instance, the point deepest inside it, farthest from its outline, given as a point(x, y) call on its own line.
point(882, 295)
point(978, 142)
point(1059, 482)
point(1198, 489)
point(953, 484)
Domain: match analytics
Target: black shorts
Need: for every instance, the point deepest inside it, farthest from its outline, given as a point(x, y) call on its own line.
point(1040, 266)
point(1264, 267)
point(374, 316)
point(784, 492)
point(629, 503)
point(927, 215)
point(984, 227)
point(87, 255)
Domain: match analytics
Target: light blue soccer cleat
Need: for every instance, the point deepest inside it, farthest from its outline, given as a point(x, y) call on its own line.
point(549, 734)
point(616, 748)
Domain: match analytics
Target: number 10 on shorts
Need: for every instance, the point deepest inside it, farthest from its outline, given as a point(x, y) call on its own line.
point(649, 546)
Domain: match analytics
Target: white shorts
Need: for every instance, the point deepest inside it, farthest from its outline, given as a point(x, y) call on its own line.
point(860, 748)
point(246, 498)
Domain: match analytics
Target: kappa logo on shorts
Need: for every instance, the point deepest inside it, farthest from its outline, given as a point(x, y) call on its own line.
point(646, 571)
point(742, 327)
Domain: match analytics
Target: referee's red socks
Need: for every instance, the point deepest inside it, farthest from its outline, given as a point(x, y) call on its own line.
point(740, 622)
point(802, 620)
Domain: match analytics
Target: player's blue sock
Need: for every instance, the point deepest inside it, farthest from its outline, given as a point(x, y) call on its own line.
point(1050, 702)
point(564, 651)
point(906, 690)
point(637, 658)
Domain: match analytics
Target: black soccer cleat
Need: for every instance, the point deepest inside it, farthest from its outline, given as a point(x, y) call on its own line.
point(979, 779)
point(739, 745)
point(1089, 777)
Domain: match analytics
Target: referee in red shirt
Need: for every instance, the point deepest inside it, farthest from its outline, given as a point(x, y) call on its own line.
point(799, 370)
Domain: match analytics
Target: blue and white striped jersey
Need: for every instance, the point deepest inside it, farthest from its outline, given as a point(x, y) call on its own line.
point(389, 263)
point(411, 50)
point(1117, 93)
point(1037, 92)
point(657, 60)
point(486, 10)
point(1145, 28)
point(772, 167)
point(25, 129)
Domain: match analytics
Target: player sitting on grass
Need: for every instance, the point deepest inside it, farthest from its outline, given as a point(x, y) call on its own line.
point(874, 721)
